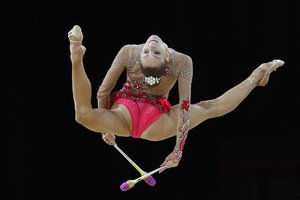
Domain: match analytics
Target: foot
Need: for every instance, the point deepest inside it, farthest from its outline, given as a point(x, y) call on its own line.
point(76, 48)
point(75, 35)
point(267, 69)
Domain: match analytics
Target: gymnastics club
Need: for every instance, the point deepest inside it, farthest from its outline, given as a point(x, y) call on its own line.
point(148, 179)
point(130, 183)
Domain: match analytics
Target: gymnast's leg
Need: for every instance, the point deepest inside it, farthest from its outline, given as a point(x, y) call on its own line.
point(227, 102)
point(98, 120)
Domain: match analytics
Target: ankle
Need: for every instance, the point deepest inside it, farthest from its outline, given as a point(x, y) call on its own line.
point(74, 40)
point(77, 51)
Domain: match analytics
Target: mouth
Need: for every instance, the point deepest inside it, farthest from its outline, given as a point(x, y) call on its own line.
point(153, 41)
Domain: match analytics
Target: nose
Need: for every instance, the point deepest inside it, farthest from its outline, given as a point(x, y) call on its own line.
point(152, 48)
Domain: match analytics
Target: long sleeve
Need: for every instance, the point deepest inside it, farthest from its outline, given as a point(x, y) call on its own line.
point(110, 79)
point(185, 74)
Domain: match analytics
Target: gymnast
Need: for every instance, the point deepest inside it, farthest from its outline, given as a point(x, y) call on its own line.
point(140, 109)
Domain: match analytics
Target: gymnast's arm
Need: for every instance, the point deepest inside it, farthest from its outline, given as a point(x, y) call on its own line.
point(185, 73)
point(111, 78)
point(108, 84)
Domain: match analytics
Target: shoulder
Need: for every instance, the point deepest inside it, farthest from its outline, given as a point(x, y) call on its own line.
point(181, 65)
point(181, 60)
point(130, 49)
point(128, 54)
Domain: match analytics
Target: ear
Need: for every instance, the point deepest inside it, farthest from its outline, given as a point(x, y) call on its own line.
point(168, 54)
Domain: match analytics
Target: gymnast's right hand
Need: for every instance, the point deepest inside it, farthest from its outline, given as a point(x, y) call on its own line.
point(77, 50)
point(109, 138)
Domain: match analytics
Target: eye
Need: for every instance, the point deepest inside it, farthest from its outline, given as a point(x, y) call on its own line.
point(157, 52)
point(146, 51)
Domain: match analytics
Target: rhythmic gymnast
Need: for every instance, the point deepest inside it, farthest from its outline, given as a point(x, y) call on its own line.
point(140, 109)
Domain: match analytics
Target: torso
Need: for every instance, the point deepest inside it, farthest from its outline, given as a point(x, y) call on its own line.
point(131, 60)
point(167, 81)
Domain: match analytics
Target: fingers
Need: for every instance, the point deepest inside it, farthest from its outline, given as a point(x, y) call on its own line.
point(108, 140)
point(169, 163)
point(105, 139)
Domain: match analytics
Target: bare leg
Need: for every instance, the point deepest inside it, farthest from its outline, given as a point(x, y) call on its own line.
point(220, 106)
point(81, 85)
point(98, 120)
point(233, 97)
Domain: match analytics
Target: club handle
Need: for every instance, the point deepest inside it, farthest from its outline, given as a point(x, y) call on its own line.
point(131, 161)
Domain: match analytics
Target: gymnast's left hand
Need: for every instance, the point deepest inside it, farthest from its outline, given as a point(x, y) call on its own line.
point(172, 160)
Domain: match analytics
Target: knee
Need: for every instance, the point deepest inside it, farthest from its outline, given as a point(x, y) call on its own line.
point(81, 117)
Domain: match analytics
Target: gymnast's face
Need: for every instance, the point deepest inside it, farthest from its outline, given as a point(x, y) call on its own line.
point(155, 52)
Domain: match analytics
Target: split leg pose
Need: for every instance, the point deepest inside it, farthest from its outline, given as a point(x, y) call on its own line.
point(141, 109)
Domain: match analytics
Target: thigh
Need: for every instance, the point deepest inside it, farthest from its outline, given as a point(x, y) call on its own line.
point(163, 128)
point(166, 126)
point(115, 120)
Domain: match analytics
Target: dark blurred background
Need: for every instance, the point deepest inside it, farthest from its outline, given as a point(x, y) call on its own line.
point(251, 153)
